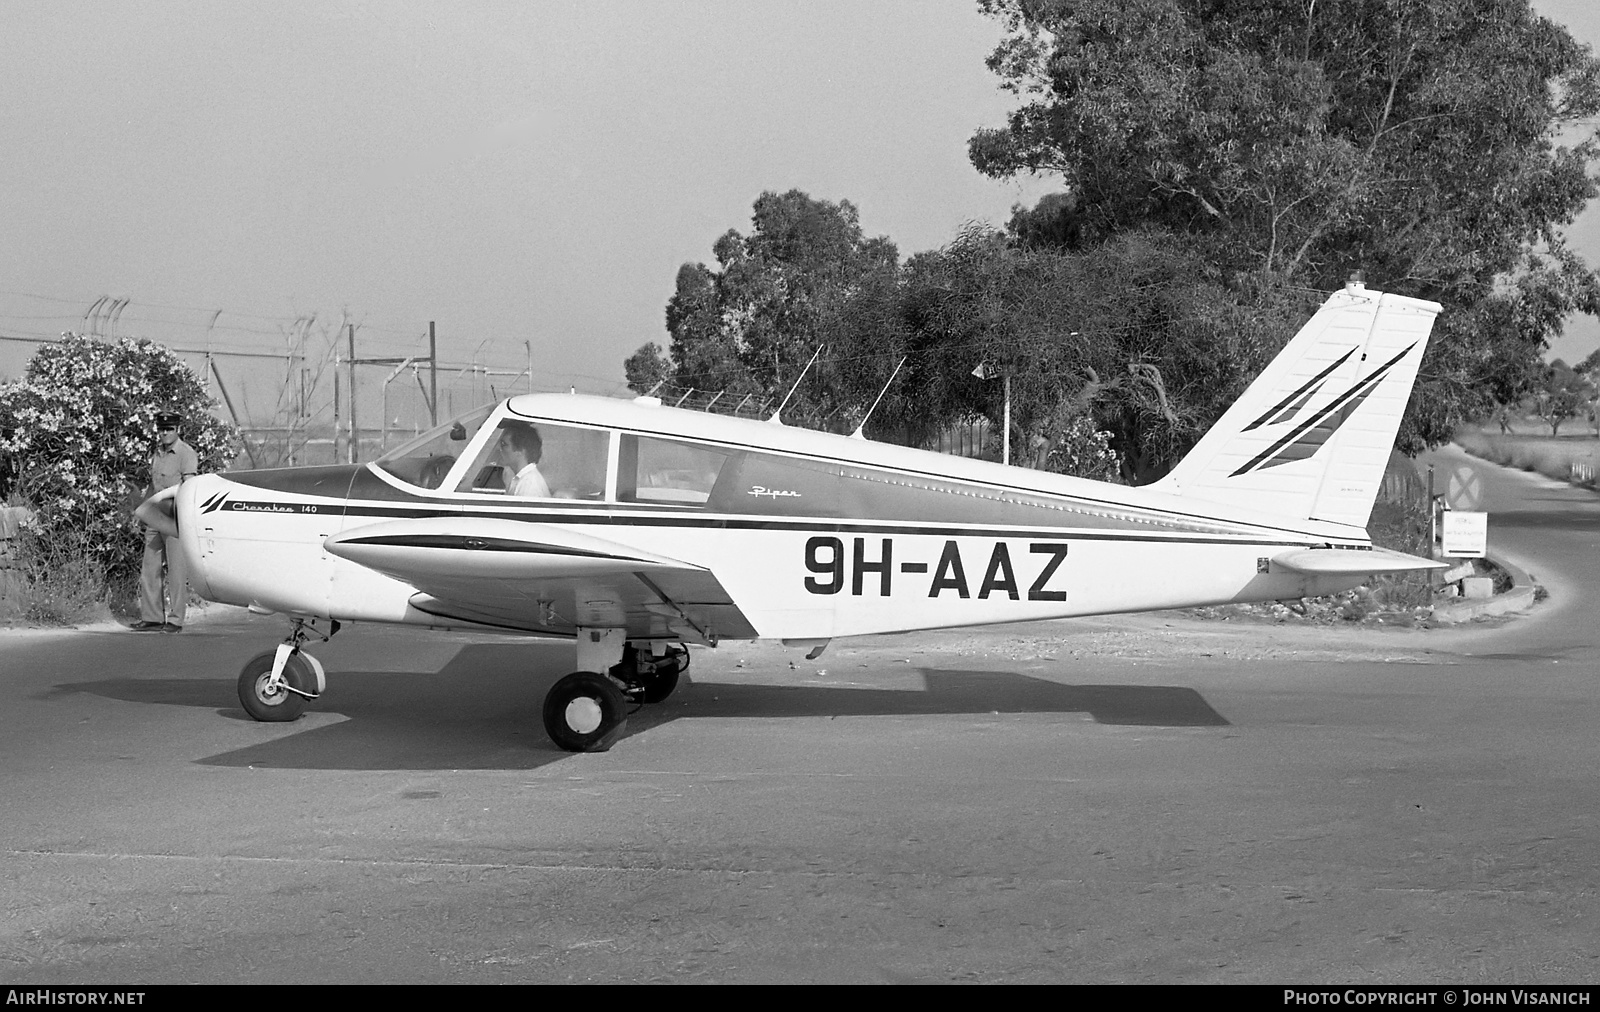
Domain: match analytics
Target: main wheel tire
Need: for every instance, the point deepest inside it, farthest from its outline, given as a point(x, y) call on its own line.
point(585, 712)
point(659, 685)
point(280, 705)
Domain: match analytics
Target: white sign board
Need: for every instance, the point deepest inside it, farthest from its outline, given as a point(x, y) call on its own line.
point(1464, 534)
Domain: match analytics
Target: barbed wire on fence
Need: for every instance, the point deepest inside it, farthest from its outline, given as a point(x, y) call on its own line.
point(292, 398)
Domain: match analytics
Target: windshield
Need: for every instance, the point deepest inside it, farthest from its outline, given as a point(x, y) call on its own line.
point(428, 458)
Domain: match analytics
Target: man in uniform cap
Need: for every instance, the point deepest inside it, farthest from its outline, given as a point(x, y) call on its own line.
point(171, 461)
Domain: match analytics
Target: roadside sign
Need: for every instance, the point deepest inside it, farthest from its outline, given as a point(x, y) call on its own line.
point(1464, 534)
point(1464, 490)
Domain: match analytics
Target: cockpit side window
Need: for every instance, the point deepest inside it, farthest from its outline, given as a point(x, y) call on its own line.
point(666, 471)
point(540, 460)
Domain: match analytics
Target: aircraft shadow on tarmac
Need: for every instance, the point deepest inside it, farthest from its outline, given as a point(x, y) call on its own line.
point(482, 710)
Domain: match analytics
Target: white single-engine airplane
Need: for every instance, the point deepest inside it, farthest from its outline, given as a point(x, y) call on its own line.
point(635, 529)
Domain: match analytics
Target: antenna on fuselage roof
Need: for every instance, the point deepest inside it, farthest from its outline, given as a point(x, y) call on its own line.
point(775, 419)
point(859, 433)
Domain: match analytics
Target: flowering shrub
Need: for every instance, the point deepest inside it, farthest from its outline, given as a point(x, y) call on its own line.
point(76, 434)
point(1081, 449)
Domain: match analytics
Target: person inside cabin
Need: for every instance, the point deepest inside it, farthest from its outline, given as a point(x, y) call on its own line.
point(520, 450)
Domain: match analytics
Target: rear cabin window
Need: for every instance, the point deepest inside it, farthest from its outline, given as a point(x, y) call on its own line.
point(665, 471)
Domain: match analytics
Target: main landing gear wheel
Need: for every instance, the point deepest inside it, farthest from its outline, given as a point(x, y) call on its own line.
point(585, 712)
point(281, 703)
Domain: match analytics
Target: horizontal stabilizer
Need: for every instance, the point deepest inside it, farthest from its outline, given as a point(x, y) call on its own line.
point(1338, 562)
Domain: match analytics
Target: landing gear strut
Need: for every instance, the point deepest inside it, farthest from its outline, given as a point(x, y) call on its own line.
point(274, 685)
point(649, 677)
point(587, 711)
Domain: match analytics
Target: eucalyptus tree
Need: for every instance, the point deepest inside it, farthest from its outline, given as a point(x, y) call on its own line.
point(806, 287)
point(1439, 147)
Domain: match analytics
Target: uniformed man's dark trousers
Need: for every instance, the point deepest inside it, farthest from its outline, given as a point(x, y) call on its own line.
point(154, 606)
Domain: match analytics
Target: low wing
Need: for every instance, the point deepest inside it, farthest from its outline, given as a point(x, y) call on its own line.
point(1337, 562)
point(543, 579)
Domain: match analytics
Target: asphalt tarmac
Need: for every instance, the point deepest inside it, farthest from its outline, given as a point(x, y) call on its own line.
point(1146, 799)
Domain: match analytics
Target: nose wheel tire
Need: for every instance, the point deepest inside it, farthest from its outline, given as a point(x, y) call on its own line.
point(585, 712)
point(280, 704)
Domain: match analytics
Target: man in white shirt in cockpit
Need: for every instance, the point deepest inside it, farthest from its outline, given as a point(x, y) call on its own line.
point(520, 450)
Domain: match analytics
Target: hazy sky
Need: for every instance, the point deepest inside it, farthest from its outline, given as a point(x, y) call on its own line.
point(515, 171)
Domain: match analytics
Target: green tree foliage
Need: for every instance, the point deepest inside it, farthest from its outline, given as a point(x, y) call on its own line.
point(1127, 334)
point(78, 427)
point(647, 369)
point(1590, 366)
point(1560, 394)
point(1124, 339)
point(1294, 141)
point(805, 277)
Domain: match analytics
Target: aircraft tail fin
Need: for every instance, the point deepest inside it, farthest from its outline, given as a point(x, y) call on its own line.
point(1310, 437)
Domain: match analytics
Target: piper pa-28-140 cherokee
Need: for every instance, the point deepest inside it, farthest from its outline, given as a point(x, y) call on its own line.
point(635, 529)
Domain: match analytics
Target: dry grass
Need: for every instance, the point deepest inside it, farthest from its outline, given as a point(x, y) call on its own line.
point(1573, 458)
point(1400, 522)
point(61, 582)
point(1403, 527)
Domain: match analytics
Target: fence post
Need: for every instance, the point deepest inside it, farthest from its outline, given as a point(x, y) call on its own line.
point(11, 518)
point(337, 408)
point(355, 430)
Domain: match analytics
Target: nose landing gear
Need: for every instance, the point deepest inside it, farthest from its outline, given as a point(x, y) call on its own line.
point(275, 685)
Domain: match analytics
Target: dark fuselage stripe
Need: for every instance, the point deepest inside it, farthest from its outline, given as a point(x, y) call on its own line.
point(472, 544)
point(427, 505)
point(821, 526)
